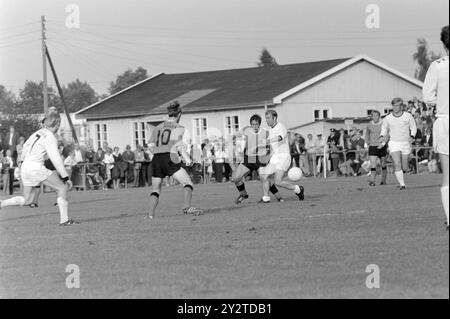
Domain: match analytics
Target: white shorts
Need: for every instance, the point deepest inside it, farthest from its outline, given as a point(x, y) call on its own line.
point(403, 147)
point(440, 135)
point(33, 174)
point(278, 162)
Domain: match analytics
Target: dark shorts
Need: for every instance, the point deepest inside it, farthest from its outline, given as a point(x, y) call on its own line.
point(375, 151)
point(253, 163)
point(162, 165)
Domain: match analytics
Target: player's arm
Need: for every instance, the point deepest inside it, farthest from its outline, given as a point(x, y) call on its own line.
point(384, 133)
point(51, 147)
point(429, 90)
point(282, 135)
point(367, 133)
point(152, 140)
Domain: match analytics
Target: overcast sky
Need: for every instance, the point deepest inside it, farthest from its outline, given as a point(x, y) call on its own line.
point(176, 36)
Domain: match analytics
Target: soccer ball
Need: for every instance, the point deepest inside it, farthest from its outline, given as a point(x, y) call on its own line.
point(295, 174)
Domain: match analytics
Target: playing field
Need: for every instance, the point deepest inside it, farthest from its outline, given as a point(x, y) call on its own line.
point(318, 248)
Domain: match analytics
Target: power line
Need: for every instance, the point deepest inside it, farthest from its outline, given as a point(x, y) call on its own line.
point(19, 26)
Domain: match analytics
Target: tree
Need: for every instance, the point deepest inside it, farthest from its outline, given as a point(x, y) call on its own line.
point(78, 95)
point(24, 125)
point(7, 100)
point(32, 98)
point(126, 79)
point(423, 57)
point(266, 59)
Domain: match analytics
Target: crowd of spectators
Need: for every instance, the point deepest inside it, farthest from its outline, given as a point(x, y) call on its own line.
point(346, 152)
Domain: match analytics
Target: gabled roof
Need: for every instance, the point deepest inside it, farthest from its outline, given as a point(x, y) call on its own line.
point(201, 91)
point(225, 89)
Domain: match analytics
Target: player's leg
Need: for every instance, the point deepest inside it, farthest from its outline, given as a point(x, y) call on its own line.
point(239, 176)
point(298, 190)
point(397, 161)
point(154, 196)
point(384, 170)
point(373, 169)
point(182, 177)
point(55, 182)
point(24, 200)
point(36, 191)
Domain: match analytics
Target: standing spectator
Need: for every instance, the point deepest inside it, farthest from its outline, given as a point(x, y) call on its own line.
point(149, 169)
point(296, 150)
point(358, 145)
point(208, 156)
point(219, 160)
point(8, 165)
point(118, 170)
point(108, 159)
point(320, 150)
point(139, 158)
point(11, 141)
point(128, 160)
point(311, 154)
point(70, 163)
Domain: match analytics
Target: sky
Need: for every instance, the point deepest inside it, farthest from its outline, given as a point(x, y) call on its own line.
point(178, 36)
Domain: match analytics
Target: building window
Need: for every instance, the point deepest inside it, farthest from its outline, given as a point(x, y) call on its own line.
point(139, 134)
point(231, 125)
point(101, 134)
point(200, 130)
point(320, 114)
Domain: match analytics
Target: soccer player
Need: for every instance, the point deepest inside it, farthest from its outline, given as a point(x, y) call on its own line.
point(280, 160)
point(256, 156)
point(166, 143)
point(435, 90)
point(40, 145)
point(373, 132)
point(400, 128)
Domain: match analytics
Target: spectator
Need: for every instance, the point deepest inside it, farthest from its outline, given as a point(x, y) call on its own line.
point(89, 154)
point(70, 163)
point(334, 154)
point(219, 160)
point(310, 146)
point(149, 170)
point(358, 145)
point(128, 159)
point(139, 158)
point(208, 156)
point(296, 150)
point(98, 159)
point(118, 170)
point(11, 141)
point(108, 159)
point(8, 166)
point(319, 145)
point(79, 154)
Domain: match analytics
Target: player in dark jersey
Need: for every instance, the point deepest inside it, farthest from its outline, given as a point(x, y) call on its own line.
point(256, 155)
point(376, 150)
point(166, 144)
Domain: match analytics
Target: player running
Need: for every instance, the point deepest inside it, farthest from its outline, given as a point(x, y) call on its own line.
point(37, 148)
point(373, 132)
point(435, 90)
point(256, 156)
point(400, 129)
point(166, 143)
point(280, 160)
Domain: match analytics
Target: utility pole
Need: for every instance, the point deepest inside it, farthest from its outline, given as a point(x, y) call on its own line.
point(44, 63)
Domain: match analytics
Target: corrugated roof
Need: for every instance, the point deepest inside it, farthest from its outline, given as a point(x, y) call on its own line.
point(211, 90)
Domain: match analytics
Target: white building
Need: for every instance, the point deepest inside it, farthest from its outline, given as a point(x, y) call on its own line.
point(217, 103)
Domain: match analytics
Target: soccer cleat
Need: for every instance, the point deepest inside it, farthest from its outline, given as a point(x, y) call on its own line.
point(241, 198)
point(301, 195)
point(261, 201)
point(280, 200)
point(402, 188)
point(33, 205)
point(372, 184)
point(70, 222)
point(192, 211)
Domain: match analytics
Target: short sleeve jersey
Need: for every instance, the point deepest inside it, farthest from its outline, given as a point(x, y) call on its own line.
point(165, 137)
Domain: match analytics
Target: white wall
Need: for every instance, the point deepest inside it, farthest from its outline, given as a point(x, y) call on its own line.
point(349, 93)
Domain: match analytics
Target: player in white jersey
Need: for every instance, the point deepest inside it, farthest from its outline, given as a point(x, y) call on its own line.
point(40, 146)
point(435, 91)
point(400, 129)
point(280, 160)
